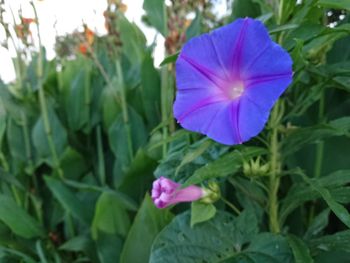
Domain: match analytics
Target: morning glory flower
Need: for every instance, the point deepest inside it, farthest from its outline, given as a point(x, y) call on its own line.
point(228, 80)
point(166, 192)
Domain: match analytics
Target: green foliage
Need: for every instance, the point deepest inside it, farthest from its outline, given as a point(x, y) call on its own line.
point(221, 239)
point(83, 136)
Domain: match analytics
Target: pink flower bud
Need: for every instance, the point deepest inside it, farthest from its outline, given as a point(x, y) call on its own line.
point(166, 192)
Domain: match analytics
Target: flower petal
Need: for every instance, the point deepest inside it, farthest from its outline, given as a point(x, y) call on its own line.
point(265, 93)
point(252, 119)
point(273, 63)
point(200, 51)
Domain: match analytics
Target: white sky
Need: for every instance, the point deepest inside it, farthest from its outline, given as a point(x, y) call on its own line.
point(64, 16)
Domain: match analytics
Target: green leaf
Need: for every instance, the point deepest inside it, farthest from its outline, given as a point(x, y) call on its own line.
point(118, 137)
point(339, 4)
point(133, 41)
point(79, 99)
point(68, 200)
point(18, 220)
point(318, 224)
point(76, 244)
point(226, 165)
point(300, 250)
point(222, 239)
point(150, 82)
point(245, 8)
point(301, 193)
point(108, 248)
point(339, 210)
point(110, 217)
point(201, 212)
point(283, 28)
point(149, 221)
point(170, 59)
point(193, 154)
point(302, 136)
point(40, 136)
point(156, 15)
point(169, 165)
point(195, 28)
point(339, 241)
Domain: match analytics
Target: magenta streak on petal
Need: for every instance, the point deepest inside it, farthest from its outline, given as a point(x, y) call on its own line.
point(235, 120)
point(237, 49)
point(219, 83)
point(261, 79)
point(201, 104)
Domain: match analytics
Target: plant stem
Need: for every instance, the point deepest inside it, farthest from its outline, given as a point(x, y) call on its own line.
point(164, 106)
point(319, 153)
point(232, 206)
point(125, 110)
point(275, 170)
point(101, 159)
point(43, 103)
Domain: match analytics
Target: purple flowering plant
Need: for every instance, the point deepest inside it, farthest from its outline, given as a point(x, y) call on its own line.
point(235, 149)
point(229, 79)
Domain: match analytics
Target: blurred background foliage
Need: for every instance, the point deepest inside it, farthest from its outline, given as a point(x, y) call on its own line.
point(83, 136)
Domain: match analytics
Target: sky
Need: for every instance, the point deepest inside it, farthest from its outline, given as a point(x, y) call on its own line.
point(64, 16)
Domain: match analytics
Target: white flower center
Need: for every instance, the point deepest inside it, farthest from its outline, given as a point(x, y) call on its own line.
point(235, 90)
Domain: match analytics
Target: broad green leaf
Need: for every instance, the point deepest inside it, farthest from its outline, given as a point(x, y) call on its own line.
point(318, 224)
point(79, 99)
point(338, 4)
point(339, 241)
point(108, 248)
point(76, 244)
point(119, 138)
point(170, 59)
point(301, 193)
point(226, 165)
point(157, 15)
point(68, 200)
point(193, 154)
point(300, 250)
point(169, 165)
point(150, 84)
point(245, 8)
point(133, 41)
point(222, 239)
point(73, 164)
point(195, 28)
point(138, 178)
point(201, 212)
point(301, 136)
point(149, 221)
point(18, 220)
point(283, 28)
point(110, 217)
point(57, 133)
point(15, 140)
point(339, 210)
point(15, 254)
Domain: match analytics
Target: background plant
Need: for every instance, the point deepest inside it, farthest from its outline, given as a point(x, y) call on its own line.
point(82, 137)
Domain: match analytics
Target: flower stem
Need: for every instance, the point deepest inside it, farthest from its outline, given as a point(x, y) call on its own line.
point(275, 169)
point(124, 106)
point(164, 107)
point(43, 103)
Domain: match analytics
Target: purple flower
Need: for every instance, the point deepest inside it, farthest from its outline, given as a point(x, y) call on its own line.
point(166, 192)
point(228, 81)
